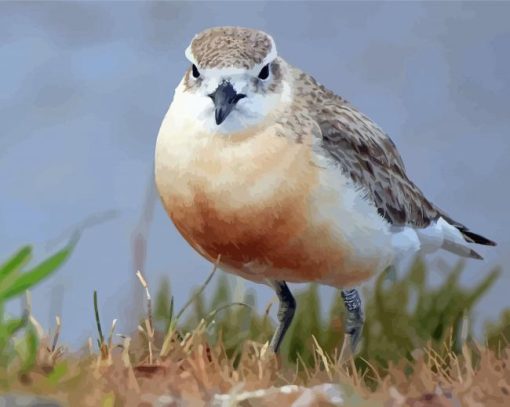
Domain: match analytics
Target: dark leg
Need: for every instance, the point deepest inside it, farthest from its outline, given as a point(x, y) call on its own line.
point(285, 312)
point(354, 319)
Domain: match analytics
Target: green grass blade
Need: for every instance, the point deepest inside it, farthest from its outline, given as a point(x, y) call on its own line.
point(12, 326)
point(30, 278)
point(199, 292)
point(8, 330)
point(98, 321)
point(170, 320)
point(31, 345)
point(15, 262)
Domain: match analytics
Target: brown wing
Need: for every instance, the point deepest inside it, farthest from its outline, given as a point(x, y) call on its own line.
point(371, 160)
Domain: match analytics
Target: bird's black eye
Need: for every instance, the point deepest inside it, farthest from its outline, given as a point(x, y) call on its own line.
point(264, 72)
point(194, 71)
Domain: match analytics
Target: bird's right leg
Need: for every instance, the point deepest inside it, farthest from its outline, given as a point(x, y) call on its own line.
point(354, 320)
point(286, 312)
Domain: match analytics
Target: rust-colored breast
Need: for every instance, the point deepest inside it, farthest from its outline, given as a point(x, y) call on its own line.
point(252, 234)
point(251, 204)
point(279, 237)
point(245, 202)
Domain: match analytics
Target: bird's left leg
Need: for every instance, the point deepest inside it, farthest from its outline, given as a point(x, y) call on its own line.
point(285, 312)
point(354, 320)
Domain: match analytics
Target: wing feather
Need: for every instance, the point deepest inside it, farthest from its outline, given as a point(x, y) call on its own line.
point(369, 157)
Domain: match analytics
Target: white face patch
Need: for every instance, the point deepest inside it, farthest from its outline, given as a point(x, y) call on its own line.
point(256, 107)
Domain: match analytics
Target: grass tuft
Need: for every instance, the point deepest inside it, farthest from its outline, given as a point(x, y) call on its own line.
point(417, 349)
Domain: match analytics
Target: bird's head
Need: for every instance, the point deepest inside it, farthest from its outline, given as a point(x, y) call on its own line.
point(235, 80)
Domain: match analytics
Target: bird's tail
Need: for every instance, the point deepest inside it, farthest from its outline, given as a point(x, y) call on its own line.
point(457, 238)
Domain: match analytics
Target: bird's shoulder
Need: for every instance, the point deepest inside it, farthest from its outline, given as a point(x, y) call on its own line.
point(335, 115)
point(364, 152)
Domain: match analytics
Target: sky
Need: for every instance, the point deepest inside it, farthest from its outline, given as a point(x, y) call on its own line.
point(84, 87)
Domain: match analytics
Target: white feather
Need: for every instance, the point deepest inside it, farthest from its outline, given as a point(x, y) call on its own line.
point(251, 111)
point(438, 235)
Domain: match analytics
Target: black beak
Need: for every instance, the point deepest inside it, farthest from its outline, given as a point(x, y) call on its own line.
point(225, 98)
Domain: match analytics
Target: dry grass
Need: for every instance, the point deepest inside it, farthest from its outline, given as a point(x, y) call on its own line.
point(173, 368)
point(194, 371)
point(416, 351)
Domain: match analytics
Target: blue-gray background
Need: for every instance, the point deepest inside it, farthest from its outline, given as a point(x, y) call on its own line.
point(84, 86)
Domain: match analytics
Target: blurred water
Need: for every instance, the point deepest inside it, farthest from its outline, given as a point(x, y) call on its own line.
point(84, 86)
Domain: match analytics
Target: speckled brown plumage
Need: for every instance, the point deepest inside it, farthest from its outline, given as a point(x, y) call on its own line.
point(222, 47)
point(364, 153)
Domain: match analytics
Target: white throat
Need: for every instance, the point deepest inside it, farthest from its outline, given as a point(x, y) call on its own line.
point(196, 107)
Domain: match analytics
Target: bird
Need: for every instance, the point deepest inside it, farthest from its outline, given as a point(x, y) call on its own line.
point(279, 180)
